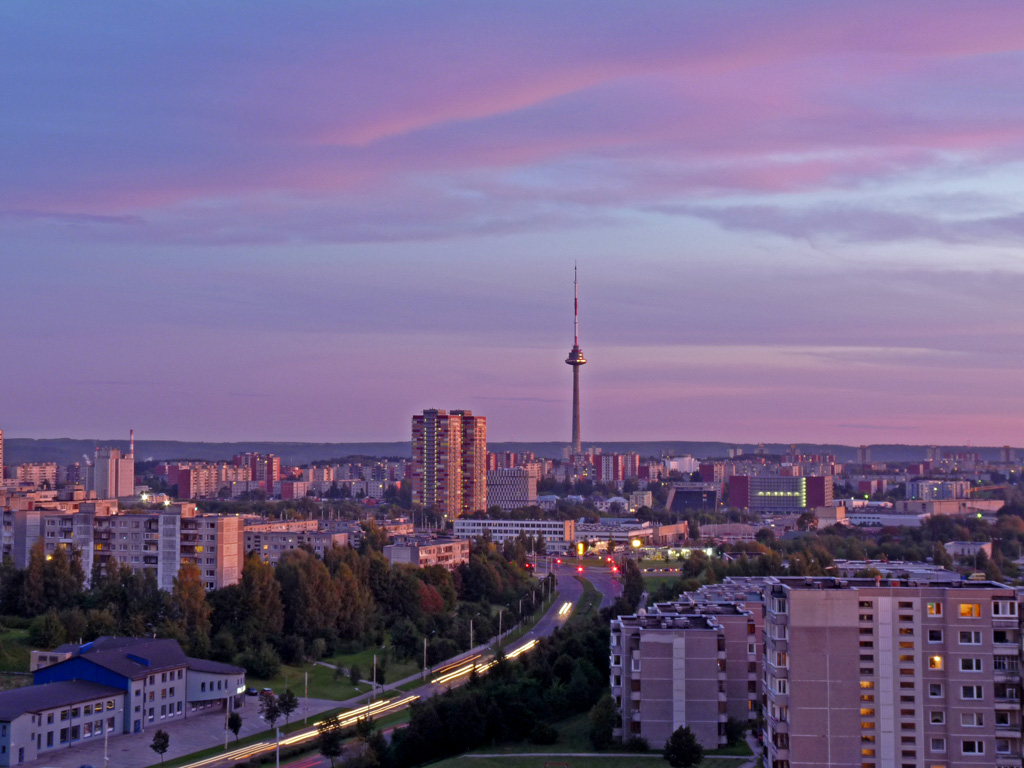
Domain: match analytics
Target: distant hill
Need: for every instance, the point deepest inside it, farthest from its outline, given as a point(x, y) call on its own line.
point(19, 450)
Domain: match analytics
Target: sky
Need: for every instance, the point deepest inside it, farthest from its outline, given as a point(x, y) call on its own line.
point(793, 222)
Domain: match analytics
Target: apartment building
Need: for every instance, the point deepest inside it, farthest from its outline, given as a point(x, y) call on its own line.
point(668, 671)
point(157, 540)
point(271, 540)
point(424, 551)
point(866, 673)
point(449, 461)
point(640, 679)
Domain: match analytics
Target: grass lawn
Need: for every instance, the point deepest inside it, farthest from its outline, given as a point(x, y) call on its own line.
point(589, 603)
point(322, 683)
point(14, 650)
point(396, 669)
point(639, 760)
point(651, 583)
point(740, 749)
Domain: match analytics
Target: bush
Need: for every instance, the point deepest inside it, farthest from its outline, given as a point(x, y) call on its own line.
point(636, 744)
point(543, 733)
point(735, 730)
point(262, 662)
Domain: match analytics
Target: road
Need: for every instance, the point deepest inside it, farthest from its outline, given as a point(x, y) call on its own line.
point(452, 674)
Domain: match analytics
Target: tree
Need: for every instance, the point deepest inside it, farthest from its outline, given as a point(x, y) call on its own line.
point(288, 702)
point(161, 743)
point(270, 708)
point(329, 738)
point(632, 583)
point(735, 730)
point(603, 718)
point(188, 599)
point(682, 750)
point(355, 675)
point(235, 724)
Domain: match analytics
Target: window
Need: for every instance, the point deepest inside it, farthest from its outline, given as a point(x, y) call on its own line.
point(970, 610)
point(970, 665)
point(866, 712)
point(934, 635)
point(937, 717)
point(907, 644)
point(906, 617)
point(934, 609)
point(935, 690)
point(906, 631)
point(970, 637)
point(971, 692)
point(781, 686)
point(934, 662)
point(972, 720)
point(905, 605)
point(938, 745)
point(1004, 608)
point(866, 684)
point(971, 747)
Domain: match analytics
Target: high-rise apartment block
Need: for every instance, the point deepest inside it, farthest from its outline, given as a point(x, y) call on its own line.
point(920, 672)
point(872, 674)
point(449, 461)
point(113, 473)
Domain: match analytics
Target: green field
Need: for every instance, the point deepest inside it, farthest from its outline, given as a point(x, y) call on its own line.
point(14, 650)
point(322, 683)
point(589, 604)
point(555, 760)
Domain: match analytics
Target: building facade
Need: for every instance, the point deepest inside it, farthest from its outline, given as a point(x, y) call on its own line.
point(872, 674)
point(559, 535)
point(513, 488)
point(449, 461)
point(422, 552)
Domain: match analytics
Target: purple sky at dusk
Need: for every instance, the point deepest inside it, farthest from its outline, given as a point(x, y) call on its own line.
point(794, 221)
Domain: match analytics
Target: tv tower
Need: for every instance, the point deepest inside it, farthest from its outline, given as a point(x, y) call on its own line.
point(575, 359)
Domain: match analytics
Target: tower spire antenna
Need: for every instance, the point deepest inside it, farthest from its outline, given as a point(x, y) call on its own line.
point(575, 310)
point(576, 359)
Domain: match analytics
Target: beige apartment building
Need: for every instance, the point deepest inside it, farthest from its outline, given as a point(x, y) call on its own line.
point(640, 678)
point(895, 674)
point(911, 672)
point(426, 551)
point(271, 540)
point(157, 540)
point(668, 671)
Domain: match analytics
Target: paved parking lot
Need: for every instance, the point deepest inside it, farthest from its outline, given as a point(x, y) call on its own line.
point(196, 732)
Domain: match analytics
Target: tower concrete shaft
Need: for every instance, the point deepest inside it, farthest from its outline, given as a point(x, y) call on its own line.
point(576, 359)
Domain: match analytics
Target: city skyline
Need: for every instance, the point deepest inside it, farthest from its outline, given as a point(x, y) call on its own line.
point(794, 224)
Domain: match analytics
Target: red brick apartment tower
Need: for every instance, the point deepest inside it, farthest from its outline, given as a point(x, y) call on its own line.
point(437, 461)
point(474, 461)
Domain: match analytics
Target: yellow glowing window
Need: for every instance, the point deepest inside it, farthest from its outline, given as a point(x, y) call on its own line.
point(934, 662)
point(970, 610)
point(867, 725)
point(867, 712)
point(867, 753)
point(934, 609)
point(867, 684)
